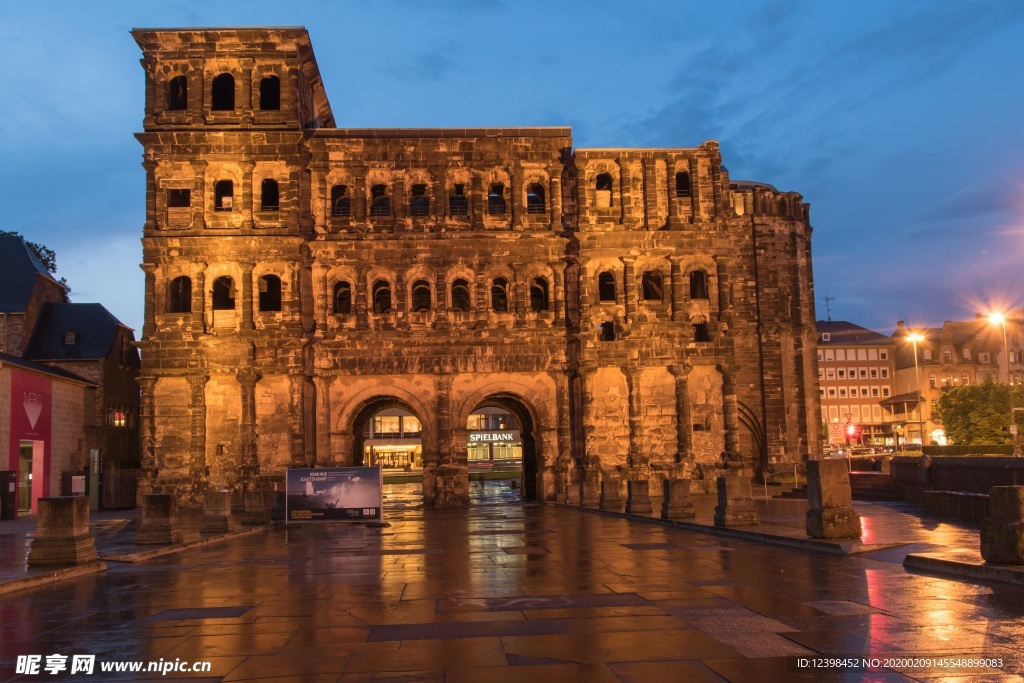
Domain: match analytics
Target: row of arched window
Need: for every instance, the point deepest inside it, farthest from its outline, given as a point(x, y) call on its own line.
point(419, 200)
point(179, 294)
point(652, 286)
point(603, 187)
point(382, 300)
point(224, 196)
point(222, 93)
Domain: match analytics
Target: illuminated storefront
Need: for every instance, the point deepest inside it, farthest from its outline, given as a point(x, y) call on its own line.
point(494, 438)
point(393, 440)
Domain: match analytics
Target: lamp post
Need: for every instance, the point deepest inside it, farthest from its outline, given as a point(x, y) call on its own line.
point(914, 337)
point(1000, 319)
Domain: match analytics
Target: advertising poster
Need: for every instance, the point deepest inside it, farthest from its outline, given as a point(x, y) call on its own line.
point(334, 494)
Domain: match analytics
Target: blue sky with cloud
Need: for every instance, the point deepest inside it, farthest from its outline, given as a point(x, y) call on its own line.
point(898, 122)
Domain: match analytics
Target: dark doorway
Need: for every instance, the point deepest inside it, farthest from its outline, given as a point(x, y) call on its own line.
point(513, 416)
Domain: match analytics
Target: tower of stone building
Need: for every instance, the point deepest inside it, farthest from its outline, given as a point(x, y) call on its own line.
point(636, 312)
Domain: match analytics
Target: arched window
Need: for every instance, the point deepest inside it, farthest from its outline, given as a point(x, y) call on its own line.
point(496, 200)
point(535, 199)
point(341, 204)
point(179, 295)
point(270, 293)
point(499, 295)
point(343, 298)
point(539, 294)
point(607, 331)
point(606, 286)
point(460, 295)
point(420, 296)
point(381, 203)
point(652, 286)
point(177, 94)
point(419, 204)
point(458, 205)
point(698, 285)
point(270, 93)
point(701, 333)
point(381, 297)
point(224, 294)
point(223, 91)
point(604, 190)
point(683, 184)
point(947, 355)
point(269, 195)
point(223, 195)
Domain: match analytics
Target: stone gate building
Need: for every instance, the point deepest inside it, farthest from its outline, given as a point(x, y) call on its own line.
point(640, 314)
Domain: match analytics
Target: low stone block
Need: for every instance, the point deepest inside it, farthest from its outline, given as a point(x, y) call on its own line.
point(159, 524)
point(676, 502)
point(1002, 533)
point(257, 512)
point(638, 498)
point(62, 533)
point(735, 503)
point(829, 495)
point(216, 512)
point(572, 494)
point(590, 493)
point(611, 499)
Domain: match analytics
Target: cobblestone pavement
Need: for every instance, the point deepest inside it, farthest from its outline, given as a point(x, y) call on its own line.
point(511, 591)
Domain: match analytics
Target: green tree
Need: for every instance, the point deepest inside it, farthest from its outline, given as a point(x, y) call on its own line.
point(46, 256)
point(978, 413)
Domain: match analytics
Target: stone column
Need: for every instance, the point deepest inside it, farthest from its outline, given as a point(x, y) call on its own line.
point(518, 195)
point(151, 97)
point(199, 201)
point(149, 321)
point(199, 324)
point(441, 301)
point(558, 290)
point(323, 418)
point(730, 414)
point(481, 300)
point(197, 445)
point(676, 502)
point(361, 301)
point(1002, 533)
point(247, 103)
point(520, 295)
point(62, 533)
point(247, 298)
point(735, 503)
point(247, 379)
point(555, 189)
point(564, 465)
point(247, 201)
point(159, 525)
point(321, 198)
point(401, 300)
point(150, 166)
point(324, 299)
point(678, 295)
point(477, 202)
point(629, 287)
point(684, 433)
point(638, 457)
point(216, 512)
point(359, 190)
point(147, 432)
point(828, 492)
point(638, 500)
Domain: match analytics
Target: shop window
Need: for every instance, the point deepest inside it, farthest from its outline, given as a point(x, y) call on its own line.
point(380, 202)
point(224, 294)
point(699, 287)
point(270, 293)
point(535, 199)
point(269, 195)
point(343, 298)
point(419, 204)
point(223, 195)
point(381, 297)
point(458, 204)
point(177, 94)
point(652, 286)
point(420, 296)
point(179, 199)
point(499, 295)
point(607, 331)
point(682, 184)
point(270, 93)
point(539, 294)
point(460, 295)
point(701, 333)
point(179, 295)
point(496, 200)
point(341, 203)
point(606, 286)
point(223, 92)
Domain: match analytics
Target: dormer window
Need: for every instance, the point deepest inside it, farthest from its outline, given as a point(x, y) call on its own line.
point(825, 336)
point(70, 338)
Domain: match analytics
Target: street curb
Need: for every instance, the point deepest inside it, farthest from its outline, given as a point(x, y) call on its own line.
point(144, 555)
point(55, 576)
point(970, 569)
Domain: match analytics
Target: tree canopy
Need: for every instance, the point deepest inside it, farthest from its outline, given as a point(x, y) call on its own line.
point(46, 256)
point(978, 413)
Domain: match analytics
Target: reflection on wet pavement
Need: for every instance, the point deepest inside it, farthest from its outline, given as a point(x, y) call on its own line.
point(512, 591)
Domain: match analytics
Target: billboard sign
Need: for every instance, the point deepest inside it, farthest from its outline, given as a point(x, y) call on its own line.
point(334, 494)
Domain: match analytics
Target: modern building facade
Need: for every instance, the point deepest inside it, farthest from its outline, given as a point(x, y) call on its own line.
point(635, 312)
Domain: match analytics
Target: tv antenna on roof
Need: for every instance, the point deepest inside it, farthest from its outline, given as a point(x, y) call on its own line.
point(828, 305)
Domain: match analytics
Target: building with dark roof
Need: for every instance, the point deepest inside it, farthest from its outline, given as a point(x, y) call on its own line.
point(68, 383)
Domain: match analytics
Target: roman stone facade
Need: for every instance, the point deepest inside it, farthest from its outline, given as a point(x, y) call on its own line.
point(639, 313)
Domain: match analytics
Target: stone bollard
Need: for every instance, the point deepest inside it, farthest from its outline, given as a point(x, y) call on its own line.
point(828, 492)
point(1002, 534)
point(735, 503)
point(62, 532)
point(256, 511)
point(611, 496)
point(590, 493)
point(216, 512)
point(159, 525)
point(638, 499)
point(676, 502)
point(572, 494)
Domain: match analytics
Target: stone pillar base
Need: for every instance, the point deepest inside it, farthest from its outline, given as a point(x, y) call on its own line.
point(158, 534)
point(1002, 534)
point(216, 512)
point(676, 501)
point(610, 497)
point(452, 487)
point(79, 550)
point(833, 523)
point(159, 523)
point(62, 533)
point(590, 494)
point(256, 512)
point(735, 503)
point(638, 500)
point(572, 494)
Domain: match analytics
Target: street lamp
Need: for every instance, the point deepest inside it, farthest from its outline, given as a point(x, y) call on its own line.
point(914, 337)
point(1000, 319)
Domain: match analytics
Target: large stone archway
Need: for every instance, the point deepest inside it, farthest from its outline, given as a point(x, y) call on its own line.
point(528, 436)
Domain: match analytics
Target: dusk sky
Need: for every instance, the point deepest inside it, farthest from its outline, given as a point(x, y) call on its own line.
point(901, 123)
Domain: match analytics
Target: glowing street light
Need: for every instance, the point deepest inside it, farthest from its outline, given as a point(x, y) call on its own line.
point(914, 337)
point(1000, 319)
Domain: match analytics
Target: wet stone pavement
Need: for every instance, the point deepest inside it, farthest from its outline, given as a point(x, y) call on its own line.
point(511, 591)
